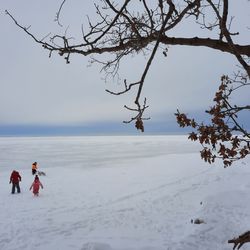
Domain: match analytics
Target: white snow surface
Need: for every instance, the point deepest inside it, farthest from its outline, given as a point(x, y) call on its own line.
point(120, 193)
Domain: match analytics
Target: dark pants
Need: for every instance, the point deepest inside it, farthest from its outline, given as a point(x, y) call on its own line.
point(33, 171)
point(14, 187)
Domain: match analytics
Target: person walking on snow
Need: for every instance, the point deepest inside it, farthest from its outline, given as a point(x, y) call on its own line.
point(34, 168)
point(36, 186)
point(15, 178)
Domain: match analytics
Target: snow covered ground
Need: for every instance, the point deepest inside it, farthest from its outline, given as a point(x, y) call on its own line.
point(120, 193)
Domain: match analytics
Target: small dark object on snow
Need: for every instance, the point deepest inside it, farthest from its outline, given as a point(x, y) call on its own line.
point(197, 221)
point(242, 239)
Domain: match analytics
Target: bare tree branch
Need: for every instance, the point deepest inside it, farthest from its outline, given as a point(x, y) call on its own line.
point(58, 13)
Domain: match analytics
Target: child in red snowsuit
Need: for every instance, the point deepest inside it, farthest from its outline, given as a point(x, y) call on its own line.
point(36, 186)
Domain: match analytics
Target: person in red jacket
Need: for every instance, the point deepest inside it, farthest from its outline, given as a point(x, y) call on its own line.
point(36, 186)
point(15, 178)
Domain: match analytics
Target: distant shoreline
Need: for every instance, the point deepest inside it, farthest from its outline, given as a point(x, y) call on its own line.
point(93, 135)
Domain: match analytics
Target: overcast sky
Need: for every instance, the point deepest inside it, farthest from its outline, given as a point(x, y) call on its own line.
point(40, 91)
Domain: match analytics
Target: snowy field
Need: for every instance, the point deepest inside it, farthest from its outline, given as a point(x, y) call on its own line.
point(120, 193)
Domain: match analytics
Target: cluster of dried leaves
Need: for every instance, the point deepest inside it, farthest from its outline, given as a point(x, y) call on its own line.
point(224, 138)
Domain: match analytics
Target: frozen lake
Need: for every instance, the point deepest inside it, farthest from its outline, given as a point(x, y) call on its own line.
point(88, 151)
point(120, 193)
